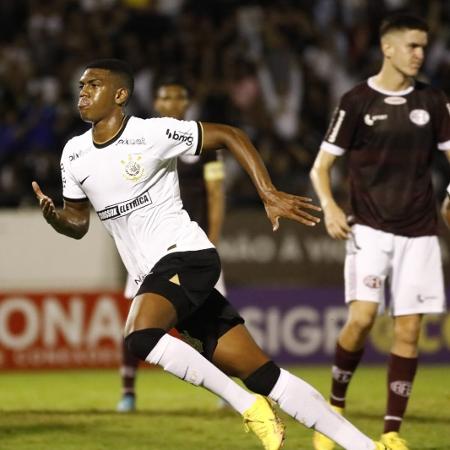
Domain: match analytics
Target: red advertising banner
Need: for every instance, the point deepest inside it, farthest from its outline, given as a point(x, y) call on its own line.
point(61, 330)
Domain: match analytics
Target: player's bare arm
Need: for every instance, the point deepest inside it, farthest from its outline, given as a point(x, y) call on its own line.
point(335, 218)
point(72, 220)
point(277, 204)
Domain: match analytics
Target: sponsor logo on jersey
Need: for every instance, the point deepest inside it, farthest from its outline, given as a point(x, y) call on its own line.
point(402, 388)
point(180, 136)
point(127, 141)
point(133, 170)
point(126, 207)
point(419, 117)
point(395, 100)
point(339, 116)
point(372, 281)
point(74, 156)
point(370, 119)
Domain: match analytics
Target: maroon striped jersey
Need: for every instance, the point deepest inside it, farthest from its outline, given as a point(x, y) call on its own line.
point(389, 139)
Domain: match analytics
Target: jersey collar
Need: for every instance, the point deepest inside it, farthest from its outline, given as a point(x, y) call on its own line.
point(372, 85)
point(115, 137)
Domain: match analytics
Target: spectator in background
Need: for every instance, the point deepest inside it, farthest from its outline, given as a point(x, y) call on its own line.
point(44, 42)
point(203, 197)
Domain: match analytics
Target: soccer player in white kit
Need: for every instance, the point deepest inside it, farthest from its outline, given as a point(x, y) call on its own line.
point(390, 127)
point(126, 168)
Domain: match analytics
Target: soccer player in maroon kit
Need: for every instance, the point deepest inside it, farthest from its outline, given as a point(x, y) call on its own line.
point(203, 196)
point(389, 126)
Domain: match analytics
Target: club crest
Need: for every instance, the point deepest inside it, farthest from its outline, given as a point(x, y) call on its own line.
point(132, 169)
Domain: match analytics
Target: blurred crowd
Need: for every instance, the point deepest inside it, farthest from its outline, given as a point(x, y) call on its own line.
point(274, 68)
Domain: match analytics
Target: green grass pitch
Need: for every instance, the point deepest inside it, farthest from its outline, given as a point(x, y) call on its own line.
point(74, 410)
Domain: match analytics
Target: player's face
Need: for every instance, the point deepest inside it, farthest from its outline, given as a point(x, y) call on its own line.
point(98, 95)
point(172, 101)
point(406, 50)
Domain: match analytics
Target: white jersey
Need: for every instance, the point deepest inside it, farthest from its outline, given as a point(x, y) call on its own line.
point(132, 183)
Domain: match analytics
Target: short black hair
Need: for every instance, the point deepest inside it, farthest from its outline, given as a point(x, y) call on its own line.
point(402, 21)
point(170, 80)
point(118, 67)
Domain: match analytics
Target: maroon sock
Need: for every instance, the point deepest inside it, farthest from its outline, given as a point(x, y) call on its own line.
point(345, 364)
point(128, 370)
point(401, 372)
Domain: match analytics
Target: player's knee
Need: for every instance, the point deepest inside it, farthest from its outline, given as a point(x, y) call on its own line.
point(407, 332)
point(361, 324)
point(263, 379)
point(141, 342)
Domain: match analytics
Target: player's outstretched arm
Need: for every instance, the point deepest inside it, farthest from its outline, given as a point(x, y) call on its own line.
point(335, 219)
point(72, 220)
point(277, 204)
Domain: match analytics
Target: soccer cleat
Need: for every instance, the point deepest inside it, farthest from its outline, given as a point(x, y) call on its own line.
point(322, 442)
point(380, 446)
point(262, 420)
point(393, 441)
point(127, 404)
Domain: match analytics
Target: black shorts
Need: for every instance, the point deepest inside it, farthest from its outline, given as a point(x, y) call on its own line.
point(203, 313)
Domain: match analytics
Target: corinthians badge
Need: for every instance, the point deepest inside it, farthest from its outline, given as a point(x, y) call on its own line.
point(133, 171)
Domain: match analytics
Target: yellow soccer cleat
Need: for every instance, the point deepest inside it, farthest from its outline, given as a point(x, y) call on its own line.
point(393, 441)
point(380, 446)
point(262, 420)
point(322, 442)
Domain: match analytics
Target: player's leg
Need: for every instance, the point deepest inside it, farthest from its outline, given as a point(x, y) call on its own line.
point(238, 355)
point(128, 371)
point(151, 316)
point(417, 288)
point(350, 348)
point(177, 287)
point(148, 340)
point(367, 264)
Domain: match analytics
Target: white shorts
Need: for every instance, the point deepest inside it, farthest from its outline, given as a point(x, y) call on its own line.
point(411, 268)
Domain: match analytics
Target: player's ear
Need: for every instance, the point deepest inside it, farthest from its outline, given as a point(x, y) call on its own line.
point(121, 96)
point(386, 46)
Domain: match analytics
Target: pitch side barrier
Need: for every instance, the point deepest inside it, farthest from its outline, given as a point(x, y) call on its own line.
point(84, 330)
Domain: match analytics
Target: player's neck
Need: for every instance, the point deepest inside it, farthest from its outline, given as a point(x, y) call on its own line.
point(390, 79)
point(106, 129)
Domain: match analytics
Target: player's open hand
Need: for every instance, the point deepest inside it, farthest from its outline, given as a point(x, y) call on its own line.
point(280, 204)
point(336, 222)
point(46, 203)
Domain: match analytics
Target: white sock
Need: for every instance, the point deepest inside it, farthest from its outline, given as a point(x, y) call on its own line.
point(305, 404)
point(181, 360)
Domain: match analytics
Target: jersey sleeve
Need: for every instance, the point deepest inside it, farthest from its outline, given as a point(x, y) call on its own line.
point(443, 122)
point(339, 136)
point(72, 190)
point(173, 138)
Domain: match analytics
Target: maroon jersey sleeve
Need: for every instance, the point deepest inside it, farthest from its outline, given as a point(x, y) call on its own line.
point(343, 124)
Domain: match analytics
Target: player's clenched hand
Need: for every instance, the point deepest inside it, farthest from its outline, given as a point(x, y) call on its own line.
point(280, 204)
point(336, 222)
point(46, 203)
